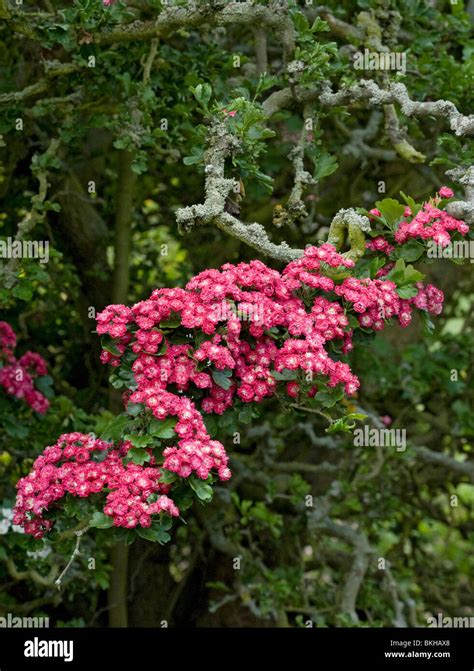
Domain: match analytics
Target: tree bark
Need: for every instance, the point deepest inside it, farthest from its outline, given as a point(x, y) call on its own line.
point(117, 595)
point(123, 226)
point(118, 589)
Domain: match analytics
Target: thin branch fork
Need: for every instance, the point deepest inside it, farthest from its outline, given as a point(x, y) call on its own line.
point(75, 553)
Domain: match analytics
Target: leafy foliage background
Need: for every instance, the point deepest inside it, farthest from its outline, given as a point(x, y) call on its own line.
point(392, 505)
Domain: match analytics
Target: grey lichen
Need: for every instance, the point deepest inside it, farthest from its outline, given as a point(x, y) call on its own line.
point(397, 93)
point(352, 217)
point(463, 209)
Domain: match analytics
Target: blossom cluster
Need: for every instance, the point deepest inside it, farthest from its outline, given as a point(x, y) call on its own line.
point(292, 334)
point(431, 223)
point(379, 244)
point(376, 301)
point(187, 353)
point(73, 466)
point(17, 376)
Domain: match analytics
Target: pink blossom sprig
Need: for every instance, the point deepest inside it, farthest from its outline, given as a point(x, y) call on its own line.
point(17, 375)
point(431, 223)
point(249, 330)
point(132, 493)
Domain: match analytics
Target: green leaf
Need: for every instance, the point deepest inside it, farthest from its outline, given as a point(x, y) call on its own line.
point(272, 332)
point(412, 275)
point(162, 348)
point(163, 429)
point(221, 378)
point(353, 322)
point(139, 441)
point(203, 490)
point(429, 325)
point(22, 291)
point(147, 533)
point(375, 265)
point(330, 396)
point(113, 431)
point(116, 382)
point(301, 22)
point(134, 409)
point(218, 584)
point(162, 537)
point(211, 425)
point(109, 345)
point(138, 456)
point(391, 210)
point(202, 93)
point(43, 384)
point(245, 415)
point(410, 251)
point(167, 477)
point(285, 374)
point(14, 428)
point(398, 271)
point(407, 291)
point(414, 207)
point(326, 164)
point(320, 26)
point(194, 158)
point(157, 533)
point(402, 274)
point(101, 521)
point(173, 321)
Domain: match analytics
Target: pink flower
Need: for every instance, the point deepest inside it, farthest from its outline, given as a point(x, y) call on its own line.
point(17, 377)
point(242, 328)
point(446, 192)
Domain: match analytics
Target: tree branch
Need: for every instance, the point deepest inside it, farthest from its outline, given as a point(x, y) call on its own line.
point(55, 69)
point(366, 90)
point(295, 209)
point(441, 459)
point(214, 13)
point(360, 563)
point(217, 189)
point(31, 574)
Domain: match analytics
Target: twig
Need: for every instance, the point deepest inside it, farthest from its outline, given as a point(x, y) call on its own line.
point(314, 411)
point(149, 61)
point(75, 553)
